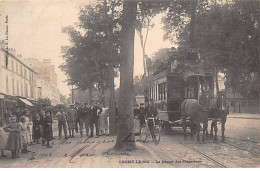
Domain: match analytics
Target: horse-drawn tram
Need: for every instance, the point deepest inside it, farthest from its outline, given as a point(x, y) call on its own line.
point(170, 88)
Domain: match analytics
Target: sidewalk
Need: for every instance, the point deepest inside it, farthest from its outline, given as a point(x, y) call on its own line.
point(244, 115)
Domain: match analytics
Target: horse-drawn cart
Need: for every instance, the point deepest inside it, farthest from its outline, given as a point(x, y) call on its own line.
point(170, 88)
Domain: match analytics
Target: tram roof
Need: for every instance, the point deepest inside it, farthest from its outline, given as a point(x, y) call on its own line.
point(187, 72)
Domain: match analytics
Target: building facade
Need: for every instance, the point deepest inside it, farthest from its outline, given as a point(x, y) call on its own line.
point(17, 80)
point(46, 79)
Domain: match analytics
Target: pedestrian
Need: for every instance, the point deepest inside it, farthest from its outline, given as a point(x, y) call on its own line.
point(62, 122)
point(42, 122)
point(14, 140)
point(24, 134)
point(3, 138)
point(151, 112)
point(142, 113)
point(71, 120)
point(136, 112)
point(84, 115)
point(77, 117)
point(36, 128)
point(50, 128)
point(103, 121)
point(30, 129)
point(95, 112)
point(47, 129)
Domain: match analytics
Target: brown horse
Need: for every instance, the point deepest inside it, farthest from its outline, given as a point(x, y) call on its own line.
point(198, 111)
point(219, 110)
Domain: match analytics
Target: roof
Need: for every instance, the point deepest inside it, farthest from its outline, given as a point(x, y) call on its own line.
point(4, 50)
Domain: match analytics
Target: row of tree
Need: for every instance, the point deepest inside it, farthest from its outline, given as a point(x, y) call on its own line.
point(223, 34)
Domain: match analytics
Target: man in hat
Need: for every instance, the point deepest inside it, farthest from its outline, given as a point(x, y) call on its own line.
point(151, 112)
point(94, 116)
point(62, 122)
point(84, 115)
point(71, 119)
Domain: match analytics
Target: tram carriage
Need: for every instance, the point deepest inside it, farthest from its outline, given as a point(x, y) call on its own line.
point(169, 89)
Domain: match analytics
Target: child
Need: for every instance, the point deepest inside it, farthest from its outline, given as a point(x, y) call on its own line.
point(3, 138)
point(13, 141)
point(24, 134)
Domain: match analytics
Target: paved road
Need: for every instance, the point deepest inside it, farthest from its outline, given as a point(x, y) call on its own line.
point(172, 151)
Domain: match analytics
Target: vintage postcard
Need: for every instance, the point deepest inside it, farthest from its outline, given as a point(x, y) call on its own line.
point(129, 84)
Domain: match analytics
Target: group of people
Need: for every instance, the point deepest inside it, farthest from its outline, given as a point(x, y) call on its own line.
point(144, 112)
point(19, 131)
point(15, 134)
point(88, 115)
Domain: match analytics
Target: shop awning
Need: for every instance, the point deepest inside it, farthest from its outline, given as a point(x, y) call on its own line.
point(26, 102)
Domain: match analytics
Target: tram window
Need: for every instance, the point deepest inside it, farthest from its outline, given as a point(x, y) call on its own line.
point(174, 86)
point(156, 92)
point(162, 91)
point(189, 92)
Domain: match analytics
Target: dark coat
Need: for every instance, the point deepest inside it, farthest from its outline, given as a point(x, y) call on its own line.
point(47, 127)
point(136, 113)
point(84, 113)
point(36, 129)
point(94, 114)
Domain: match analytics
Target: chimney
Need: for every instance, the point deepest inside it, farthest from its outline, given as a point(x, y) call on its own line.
point(19, 56)
point(47, 62)
point(12, 51)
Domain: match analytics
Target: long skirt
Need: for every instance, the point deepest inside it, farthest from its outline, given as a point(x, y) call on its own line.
point(103, 120)
point(47, 133)
point(3, 139)
point(136, 125)
point(36, 132)
point(14, 141)
point(24, 137)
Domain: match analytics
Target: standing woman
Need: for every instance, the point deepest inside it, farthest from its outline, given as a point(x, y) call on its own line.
point(103, 121)
point(47, 129)
point(14, 140)
point(36, 129)
point(42, 122)
point(24, 134)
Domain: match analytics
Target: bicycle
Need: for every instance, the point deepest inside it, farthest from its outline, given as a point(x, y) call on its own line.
point(145, 132)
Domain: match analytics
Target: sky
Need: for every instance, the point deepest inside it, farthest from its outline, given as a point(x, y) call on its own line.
point(35, 31)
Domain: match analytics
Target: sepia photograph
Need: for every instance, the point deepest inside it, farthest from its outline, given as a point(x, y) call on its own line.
point(129, 84)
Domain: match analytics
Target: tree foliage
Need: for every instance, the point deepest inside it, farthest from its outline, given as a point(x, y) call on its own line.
point(226, 36)
point(95, 45)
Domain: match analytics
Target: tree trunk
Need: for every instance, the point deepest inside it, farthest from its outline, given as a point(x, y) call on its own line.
point(125, 135)
point(216, 80)
point(192, 21)
point(112, 110)
point(102, 86)
point(112, 98)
